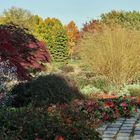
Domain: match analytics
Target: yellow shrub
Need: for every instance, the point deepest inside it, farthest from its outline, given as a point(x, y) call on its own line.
point(112, 52)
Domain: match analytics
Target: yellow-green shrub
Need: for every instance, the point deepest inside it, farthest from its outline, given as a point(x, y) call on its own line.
point(113, 52)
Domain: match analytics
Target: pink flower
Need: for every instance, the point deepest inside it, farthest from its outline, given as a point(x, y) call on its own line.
point(123, 104)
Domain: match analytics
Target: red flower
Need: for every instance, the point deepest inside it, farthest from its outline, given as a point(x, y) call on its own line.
point(106, 117)
point(109, 104)
point(59, 138)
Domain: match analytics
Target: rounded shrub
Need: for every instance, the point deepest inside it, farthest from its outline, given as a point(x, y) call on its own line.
point(38, 124)
point(45, 90)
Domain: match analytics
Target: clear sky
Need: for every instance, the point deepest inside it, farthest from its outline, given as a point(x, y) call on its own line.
point(66, 10)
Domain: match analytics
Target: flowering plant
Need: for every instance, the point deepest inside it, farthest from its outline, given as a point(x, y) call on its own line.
point(7, 78)
point(94, 112)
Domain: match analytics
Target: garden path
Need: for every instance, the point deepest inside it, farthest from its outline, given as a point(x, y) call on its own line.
point(122, 129)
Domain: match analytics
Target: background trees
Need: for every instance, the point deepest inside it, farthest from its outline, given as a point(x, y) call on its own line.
point(17, 16)
point(52, 32)
point(126, 19)
point(73, 35)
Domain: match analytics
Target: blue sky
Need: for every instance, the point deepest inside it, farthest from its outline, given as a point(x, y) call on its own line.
point(66, 10)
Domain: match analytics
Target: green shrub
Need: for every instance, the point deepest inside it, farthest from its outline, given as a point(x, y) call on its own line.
point(89, 90)
point(45, 90)
point(21, 94)
point(133, 90)
point(32, 124)
point(102, 83)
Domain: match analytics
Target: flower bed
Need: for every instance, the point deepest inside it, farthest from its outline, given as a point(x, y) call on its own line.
point(94, 112)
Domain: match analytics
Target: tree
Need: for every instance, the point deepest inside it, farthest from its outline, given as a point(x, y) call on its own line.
point(17, 16)
point(35, 21)
point(73, 35)
point(126, 19)
point(22, 50)
point(53, 33)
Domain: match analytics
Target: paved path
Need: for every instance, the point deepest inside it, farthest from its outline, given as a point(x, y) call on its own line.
point(122, 129)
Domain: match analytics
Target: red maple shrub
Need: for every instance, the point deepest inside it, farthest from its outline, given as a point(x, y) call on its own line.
point(89, 25)
point(23, 50)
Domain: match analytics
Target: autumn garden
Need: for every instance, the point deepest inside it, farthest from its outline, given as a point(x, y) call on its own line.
point(58, 82)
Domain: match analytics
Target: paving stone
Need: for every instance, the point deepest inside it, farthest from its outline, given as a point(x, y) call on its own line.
point(122, 138)
point(137, 129)
point(118, 123)
point(138, 110)
point(138, 124)
point(136, 137)
point(131, 119)
point(137, 115)
point(108, 136)
point(128, 125)
point(115, 126)
point(108, 139)
point(113, 129)
point(123, 134)
point(110, 132)
point(125, 131)
point(126, 128)
point(129, 122)
point(137, 132)
point(101, 129)
point(121, 119)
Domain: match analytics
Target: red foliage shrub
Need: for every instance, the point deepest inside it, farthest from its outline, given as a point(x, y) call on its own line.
point(89, 26)
point(22, 49)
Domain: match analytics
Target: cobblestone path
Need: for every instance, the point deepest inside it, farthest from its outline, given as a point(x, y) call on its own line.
point(122, 129)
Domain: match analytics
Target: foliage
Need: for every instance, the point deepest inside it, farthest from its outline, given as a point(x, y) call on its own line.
point(126, 106)
point(133, 90)
point(17, 16)
point(115, 53)
point(93, 25)
point(94, 112)
point(45, 90)
point(22, 50)
point(89, 90)
point(73, 35)
point(130, 19)
point(65, 120)
point(53, 33)
point(42, 124)
point(102, 83)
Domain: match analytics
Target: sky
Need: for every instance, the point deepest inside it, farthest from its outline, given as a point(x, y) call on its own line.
point(80, 11)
